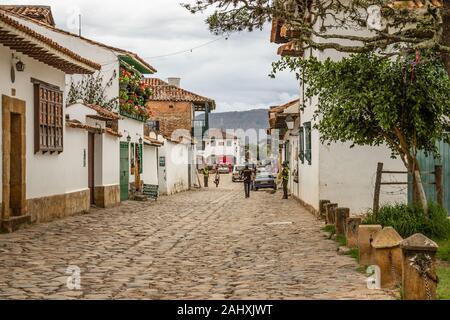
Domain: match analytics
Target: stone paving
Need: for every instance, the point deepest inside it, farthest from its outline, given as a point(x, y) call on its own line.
point(208, 244)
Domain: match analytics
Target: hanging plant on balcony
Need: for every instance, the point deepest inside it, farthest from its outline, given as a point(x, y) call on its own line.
point(125, 79)
point(134, 95)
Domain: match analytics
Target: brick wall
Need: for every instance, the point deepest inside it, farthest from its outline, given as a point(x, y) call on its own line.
point(171, 115)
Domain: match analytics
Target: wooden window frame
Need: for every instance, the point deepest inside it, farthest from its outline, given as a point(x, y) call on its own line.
point(48, 118)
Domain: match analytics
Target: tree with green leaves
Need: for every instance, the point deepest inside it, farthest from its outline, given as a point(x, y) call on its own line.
point(366, 99)
point(394, 25)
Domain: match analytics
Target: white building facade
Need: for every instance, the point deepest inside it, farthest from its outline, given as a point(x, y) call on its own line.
point(44, 172)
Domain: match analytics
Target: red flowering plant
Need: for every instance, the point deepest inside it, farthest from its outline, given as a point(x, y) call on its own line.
point(134, 94)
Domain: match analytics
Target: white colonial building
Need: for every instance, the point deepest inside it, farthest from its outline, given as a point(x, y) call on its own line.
point(221, 147)
point(44, 158)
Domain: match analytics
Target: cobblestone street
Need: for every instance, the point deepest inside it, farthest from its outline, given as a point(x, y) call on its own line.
point(209, 244)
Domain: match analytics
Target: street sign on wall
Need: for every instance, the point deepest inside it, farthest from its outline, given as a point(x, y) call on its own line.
point(162, 161)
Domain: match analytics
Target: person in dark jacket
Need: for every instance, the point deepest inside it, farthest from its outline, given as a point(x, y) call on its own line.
point(247, 175)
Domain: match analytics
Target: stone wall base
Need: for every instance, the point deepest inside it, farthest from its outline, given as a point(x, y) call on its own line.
point(307, 206)
point(57, 207)
point(14, 223)
point(107, 197)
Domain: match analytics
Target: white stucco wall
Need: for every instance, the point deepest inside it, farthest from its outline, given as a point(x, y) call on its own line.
point(174, 177)
point(111, 160)
point(150, 175)
point(347, 176)
point(46, 173)
point(309, 173)
point(77, 174)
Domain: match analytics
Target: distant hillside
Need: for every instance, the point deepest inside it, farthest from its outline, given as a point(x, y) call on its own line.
point(252, 119)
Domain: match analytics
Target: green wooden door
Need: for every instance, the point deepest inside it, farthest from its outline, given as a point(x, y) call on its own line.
point(427, 165)
point(124, 171)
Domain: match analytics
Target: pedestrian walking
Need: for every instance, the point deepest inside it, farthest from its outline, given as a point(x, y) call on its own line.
point(206, 176)
point(284, 177)
point(247, 175)
point(217, 179)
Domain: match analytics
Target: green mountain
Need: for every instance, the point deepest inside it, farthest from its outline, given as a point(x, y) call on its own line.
point(252, 119)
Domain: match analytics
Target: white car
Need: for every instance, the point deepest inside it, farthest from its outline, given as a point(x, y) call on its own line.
point(223, 170)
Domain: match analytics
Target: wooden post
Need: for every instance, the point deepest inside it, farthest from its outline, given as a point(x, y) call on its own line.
point(366, 235)
point(388, 256)
point(419, 281)
point(438, 172)
point(331, 209)
point(351, 232)
point(342, 214)
point(322, 210)
point(376, 198)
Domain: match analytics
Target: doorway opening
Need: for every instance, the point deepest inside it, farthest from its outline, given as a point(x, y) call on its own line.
point(14, 206)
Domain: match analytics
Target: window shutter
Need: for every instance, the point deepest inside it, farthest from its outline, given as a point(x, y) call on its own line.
point(141, 163)
point(308, 142)
point(302, 144)
point(48, 116)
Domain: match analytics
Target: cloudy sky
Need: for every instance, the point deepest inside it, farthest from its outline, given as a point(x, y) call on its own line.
point(234, 72)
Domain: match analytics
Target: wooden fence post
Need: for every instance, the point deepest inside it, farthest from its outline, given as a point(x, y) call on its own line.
point(376, 198)
point(439, 185)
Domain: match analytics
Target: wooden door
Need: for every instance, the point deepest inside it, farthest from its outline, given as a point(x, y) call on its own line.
point(14, 158)
point(124, 171)
point(91, 164)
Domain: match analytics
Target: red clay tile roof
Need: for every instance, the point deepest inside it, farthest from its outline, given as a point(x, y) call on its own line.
point(280, 109)
point(113, 133)
point(155, 82)
point(103, 112)
point(117, 50)
point(162, 91)
point(153, 142)
point(41, 13)
point(27, 41)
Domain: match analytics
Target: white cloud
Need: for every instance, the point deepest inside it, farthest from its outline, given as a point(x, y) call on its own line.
point(234, 72)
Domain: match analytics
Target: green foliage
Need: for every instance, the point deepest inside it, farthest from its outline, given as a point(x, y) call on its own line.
point(354, 253)
point(443, 290)
point(370, 100)
point(329, 229)
point(342, 240)
point(91, 89)
point(444, 250)
point(409, 220)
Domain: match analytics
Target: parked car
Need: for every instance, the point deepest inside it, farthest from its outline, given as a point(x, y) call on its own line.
point(265, 180)
point(223, 169)
point(237, 173)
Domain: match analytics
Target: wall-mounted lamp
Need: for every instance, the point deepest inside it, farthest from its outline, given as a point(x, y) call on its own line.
point(128, 137)
point(140, 138)
point(290, 122)
point(20, 66)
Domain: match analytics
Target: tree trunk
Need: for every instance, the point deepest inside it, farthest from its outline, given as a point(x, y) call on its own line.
point(446, 34)
point(419, 195)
